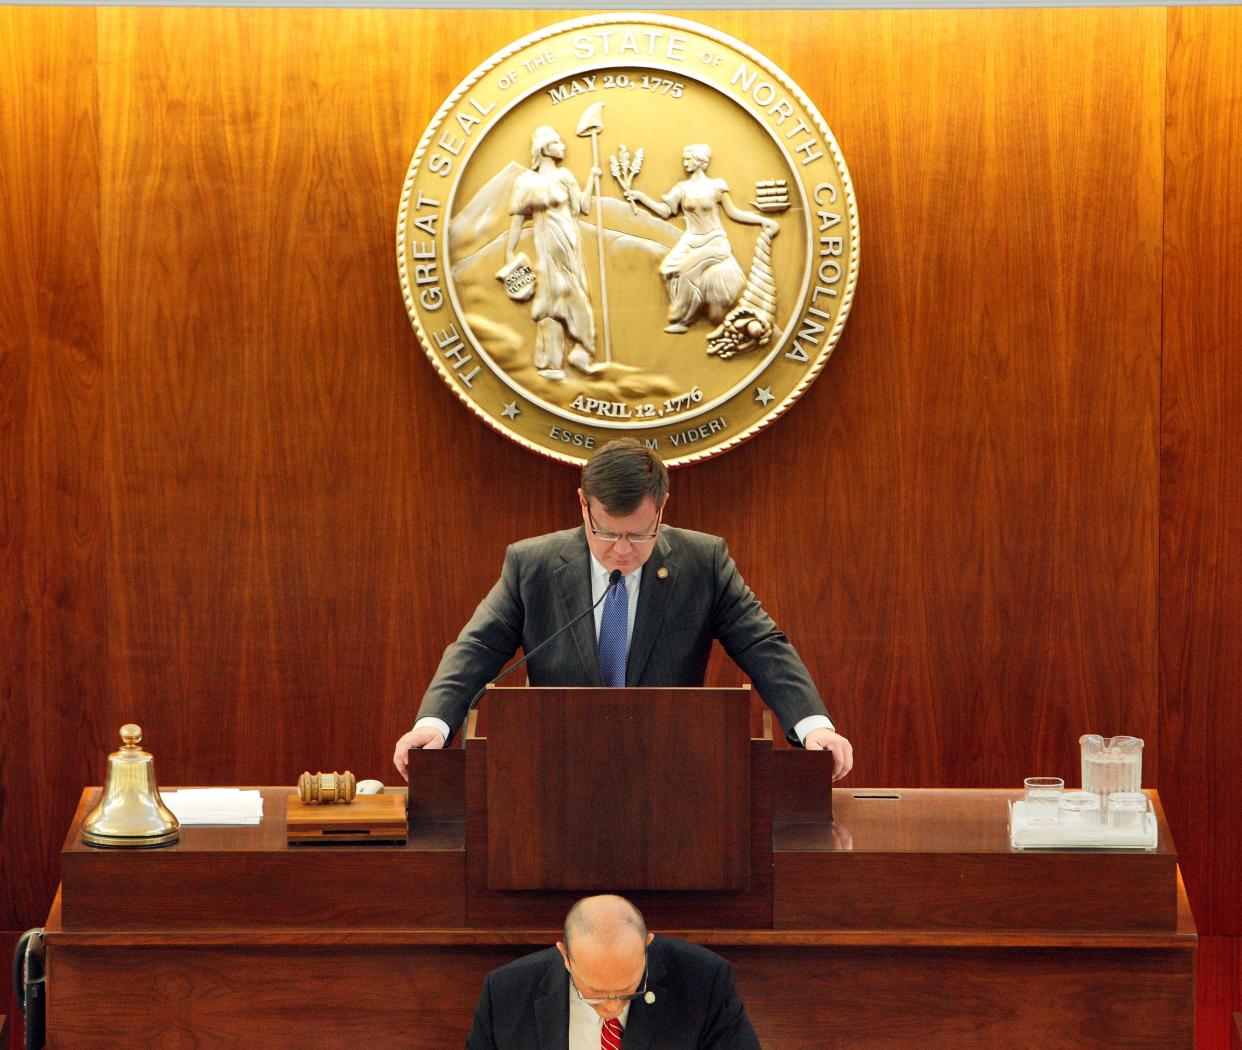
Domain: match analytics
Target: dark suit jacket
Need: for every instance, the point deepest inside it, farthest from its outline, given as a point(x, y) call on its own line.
point(525, 1005)
point(546, 582)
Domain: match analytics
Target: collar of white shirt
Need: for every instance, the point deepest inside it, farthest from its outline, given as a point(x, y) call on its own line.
point(599, 575)
point(585, 1025)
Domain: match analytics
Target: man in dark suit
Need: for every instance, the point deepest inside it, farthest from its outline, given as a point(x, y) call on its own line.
point(654, 627)
point(610, 985)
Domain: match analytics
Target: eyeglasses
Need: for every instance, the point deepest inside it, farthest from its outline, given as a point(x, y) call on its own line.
point(629, 998)
point(633, 537)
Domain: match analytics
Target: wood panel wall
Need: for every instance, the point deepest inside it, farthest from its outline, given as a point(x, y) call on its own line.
point(1201, 491)
point(239, 507)
point(1201, 455)
point(53, 515)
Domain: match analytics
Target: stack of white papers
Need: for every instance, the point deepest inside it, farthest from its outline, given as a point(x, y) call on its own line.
point(215, 805)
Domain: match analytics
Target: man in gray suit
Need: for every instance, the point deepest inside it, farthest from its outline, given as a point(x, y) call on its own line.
point(652, 627)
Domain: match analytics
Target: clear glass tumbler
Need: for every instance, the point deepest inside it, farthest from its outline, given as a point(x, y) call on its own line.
point(1042, 797)
point(1078, 809)
point(1127, 809)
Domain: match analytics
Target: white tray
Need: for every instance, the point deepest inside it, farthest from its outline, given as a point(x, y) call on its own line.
point(1099, 836)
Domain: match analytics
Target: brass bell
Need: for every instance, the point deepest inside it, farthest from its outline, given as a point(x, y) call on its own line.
point(130, 811)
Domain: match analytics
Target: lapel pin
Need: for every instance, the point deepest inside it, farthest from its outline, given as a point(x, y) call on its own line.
point(662, 572)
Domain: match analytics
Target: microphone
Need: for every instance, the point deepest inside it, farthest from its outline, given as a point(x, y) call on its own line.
point(649, 998)
point(614, 578)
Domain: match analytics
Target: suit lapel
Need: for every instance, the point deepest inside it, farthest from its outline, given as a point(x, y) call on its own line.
point(644, 1020)
point(653, 599)
point(573, 578)
point(552, 1008)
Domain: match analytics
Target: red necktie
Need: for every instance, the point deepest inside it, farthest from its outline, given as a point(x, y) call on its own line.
point(610, 1037)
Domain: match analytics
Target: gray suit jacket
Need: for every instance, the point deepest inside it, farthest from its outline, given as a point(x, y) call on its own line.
point(546, 582)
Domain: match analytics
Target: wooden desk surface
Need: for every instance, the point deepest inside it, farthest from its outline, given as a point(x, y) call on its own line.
point(240, 878)
point(870, 820)
point(919, 859)
point(894, 860)
point(265, 837)
point(923, 820)
point(913, 911)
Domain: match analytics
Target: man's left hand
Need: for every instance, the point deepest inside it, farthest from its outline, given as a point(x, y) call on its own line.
point(842, 750)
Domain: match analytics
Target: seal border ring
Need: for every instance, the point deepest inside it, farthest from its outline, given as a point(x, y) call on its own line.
point(720, 37)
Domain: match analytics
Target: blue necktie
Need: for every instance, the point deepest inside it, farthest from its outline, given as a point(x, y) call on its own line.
point(613, 627)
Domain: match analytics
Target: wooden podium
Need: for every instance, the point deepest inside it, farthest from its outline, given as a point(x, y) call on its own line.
point(633, 789)
point(890, 919)
point(660, 794)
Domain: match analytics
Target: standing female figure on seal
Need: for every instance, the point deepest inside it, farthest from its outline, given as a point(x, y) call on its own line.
point(549, 197)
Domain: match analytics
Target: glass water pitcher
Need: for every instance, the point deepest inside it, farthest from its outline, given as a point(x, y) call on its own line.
point(1111, 763)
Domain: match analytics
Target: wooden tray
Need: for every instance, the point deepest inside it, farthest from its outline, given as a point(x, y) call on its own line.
point(369, 818)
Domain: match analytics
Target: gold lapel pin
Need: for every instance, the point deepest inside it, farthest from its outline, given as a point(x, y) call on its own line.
point(662, 572)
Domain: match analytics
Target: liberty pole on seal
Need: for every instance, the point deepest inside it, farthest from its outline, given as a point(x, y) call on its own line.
point(592, 123)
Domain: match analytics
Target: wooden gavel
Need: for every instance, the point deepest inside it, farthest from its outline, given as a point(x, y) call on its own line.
point(327, 788)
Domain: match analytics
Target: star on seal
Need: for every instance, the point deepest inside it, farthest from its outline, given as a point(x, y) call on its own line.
point(771, 306)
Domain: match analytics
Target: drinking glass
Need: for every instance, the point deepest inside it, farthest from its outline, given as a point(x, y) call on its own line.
point(1078, 809)
point(1127, 809)
point(1042, 796)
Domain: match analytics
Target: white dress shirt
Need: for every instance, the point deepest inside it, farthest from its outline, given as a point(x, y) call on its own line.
point(586, 1026)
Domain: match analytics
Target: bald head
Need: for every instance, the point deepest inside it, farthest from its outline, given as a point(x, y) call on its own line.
point(605, 950)
point(606, 920)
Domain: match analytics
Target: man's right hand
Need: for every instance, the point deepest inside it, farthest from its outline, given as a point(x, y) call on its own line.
point(426, 738)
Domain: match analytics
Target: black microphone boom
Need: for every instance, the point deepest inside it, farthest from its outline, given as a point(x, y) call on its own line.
point(614, 578)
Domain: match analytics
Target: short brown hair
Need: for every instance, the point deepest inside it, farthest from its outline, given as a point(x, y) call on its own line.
point(621, 473)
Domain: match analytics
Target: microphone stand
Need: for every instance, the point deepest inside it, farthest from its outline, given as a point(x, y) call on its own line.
point(614, 578)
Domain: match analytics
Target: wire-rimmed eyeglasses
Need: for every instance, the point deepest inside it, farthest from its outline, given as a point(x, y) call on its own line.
point(628, 997)
point(632, 537)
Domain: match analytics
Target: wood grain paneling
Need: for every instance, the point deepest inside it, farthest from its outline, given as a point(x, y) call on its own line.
point(300, 521)
point(239, 507)
point(869, 1000)
point(12, 1036)
point(1201, 461)
point(886, 985)
point(941, 860)
point(957, 527)
point(798, 999)
point(418, 999)
point(677, 762)
point(250, 879)
point(51, 413)
point(488, 909)
point(1218, 991)
point(263, 520)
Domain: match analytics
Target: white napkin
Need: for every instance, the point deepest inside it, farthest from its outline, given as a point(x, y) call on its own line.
point(215, 806)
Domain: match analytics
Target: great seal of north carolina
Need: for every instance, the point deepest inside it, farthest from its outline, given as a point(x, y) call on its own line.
point(628, 225)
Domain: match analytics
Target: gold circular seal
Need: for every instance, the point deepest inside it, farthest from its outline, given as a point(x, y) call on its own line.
point(628, 225)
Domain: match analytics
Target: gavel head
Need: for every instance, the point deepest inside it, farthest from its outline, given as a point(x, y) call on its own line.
point(327, 788)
